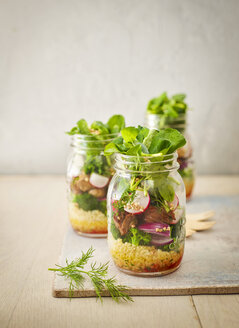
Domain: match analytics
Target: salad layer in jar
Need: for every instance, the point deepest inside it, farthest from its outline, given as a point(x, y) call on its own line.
point(89, 173)
point(146, 202)
point(171, 112)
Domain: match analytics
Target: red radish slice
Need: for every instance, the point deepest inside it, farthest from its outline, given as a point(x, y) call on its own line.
point(98, 181)
point(161, 240)
point(139, 204)
point(161, 229)
point(174, 204)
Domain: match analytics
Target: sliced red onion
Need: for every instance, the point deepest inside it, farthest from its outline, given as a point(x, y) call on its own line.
point(183, 164)
point(156, 228)
point(161, 240)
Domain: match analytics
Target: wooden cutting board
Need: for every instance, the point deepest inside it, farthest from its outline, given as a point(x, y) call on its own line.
point(210, 264)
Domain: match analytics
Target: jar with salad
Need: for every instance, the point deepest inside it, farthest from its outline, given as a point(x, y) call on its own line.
point(165, 112)
point(89, 172)
point(146, 202)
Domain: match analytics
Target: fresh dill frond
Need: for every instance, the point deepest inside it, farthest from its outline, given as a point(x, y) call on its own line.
point(75, 273)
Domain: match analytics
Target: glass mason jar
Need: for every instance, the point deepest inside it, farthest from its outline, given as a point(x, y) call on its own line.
point(146, 214)
point(185, 159)
point(88, 175)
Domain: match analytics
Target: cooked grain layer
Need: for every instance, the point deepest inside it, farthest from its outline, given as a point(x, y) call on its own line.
point(87, 221)
point(142, 258)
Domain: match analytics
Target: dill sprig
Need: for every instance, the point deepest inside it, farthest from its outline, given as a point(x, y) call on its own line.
point(75, 273)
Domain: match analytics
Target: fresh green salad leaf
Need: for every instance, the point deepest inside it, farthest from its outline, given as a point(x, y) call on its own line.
point(111, 148)
point(87, 202)
point(103, 206)
point(168, 107)
point(142, 133)
point(129, 134)
point(142, 141)
point(186, 173)
point(137, 237)
point(114, 125)
point(176, 228)
point(147, 141)
point(179, 97)
point(99, 126)
point(83, 127)
point(97, 164)
point(73, 131)
point(166, 189)
point(134, 150)
point(159, 145)
point(155, 104)
point(115, 232)
point(175, 138)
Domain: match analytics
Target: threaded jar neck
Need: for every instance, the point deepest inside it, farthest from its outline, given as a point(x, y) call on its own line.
point(157, 121)
point(150, 164)
point(84, 142)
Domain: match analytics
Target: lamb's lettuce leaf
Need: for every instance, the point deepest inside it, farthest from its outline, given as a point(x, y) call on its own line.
point(116, 123)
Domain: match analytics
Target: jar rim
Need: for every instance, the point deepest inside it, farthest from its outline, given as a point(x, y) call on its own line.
point(89, 137)
point(170, 156)
point(179, 123)
point(168, 162)
point(84, 141)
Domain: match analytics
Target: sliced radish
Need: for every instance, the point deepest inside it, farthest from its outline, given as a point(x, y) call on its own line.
point(98, 181)
point(160, 240)
point(174, 204)
point(139, 204)
point(161, 229)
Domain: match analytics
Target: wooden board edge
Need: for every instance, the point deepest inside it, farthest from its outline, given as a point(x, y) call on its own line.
point(153, 292)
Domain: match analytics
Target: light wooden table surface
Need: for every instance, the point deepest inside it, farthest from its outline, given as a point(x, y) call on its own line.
point(33, 221)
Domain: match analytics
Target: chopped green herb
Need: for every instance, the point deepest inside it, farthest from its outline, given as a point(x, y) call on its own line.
point(87, 202)
point(74, 271)
point(137, 237)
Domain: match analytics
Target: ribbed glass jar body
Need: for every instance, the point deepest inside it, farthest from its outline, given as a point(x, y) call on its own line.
point(146, 215)
point(185, 154)
point(88, 175)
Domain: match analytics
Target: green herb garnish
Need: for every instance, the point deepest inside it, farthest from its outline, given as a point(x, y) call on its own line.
point(172, 111)
point(75, 273)
point(94, 139)
point(186, 173)
point(167, 106)
point(97, 164)
point(142, 141)
point(88, 202)
point(114, 125)
point(137, 237)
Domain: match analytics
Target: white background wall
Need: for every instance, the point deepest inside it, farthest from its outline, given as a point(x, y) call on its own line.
point(62, 60)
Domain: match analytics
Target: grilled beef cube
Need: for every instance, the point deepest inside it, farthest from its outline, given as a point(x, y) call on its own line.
point(98, 192)
point(124, 221)
point(154, 214)
point(81, 184)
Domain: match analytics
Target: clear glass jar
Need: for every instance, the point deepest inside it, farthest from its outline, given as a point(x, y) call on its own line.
point(185, 154)
point(88, 175)
point(146, 214)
